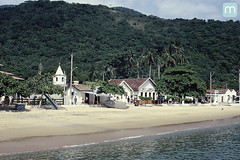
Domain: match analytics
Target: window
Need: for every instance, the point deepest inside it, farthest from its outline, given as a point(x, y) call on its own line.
point(56, 78)
point(62, 79)
point(145, 94)
point(141, 94)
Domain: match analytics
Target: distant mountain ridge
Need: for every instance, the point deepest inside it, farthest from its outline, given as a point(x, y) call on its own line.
point(127, 10)
point(7, 6)
point(100, 36)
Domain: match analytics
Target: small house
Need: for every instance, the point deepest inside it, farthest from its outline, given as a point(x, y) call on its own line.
point(222, 95)
point(84, 94)
point(136, 88)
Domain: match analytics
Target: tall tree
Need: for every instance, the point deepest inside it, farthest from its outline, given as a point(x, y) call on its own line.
point(131, 61)
point(10, 86)
point(42, 84)
point(93, 73)
point(148, 59)
point(173, 55)
point(108, 88)
point(180, 53)
point(181, 81)
point(159, 63)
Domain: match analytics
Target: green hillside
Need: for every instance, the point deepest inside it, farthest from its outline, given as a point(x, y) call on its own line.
point(102, 39)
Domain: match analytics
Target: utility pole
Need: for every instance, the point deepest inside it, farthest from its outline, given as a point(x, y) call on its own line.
point(71, 79)
point(239, 82)
point(211, 75)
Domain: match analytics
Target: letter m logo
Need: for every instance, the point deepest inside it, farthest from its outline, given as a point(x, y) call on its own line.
point(230, 10)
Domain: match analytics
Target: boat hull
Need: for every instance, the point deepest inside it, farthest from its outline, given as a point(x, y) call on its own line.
point(115, 104)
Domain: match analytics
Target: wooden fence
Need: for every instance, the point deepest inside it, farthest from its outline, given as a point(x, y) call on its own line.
point(36, 101)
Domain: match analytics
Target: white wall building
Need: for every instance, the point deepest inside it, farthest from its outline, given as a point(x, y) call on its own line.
point(84, 94)
point(135, 88)
point(222, 95)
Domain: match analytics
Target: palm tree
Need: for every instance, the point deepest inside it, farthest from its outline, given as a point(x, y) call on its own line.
point(130, 61)
point(104, 72)
point(148, 59)
point(93, 73)
point(138, 65)
point(180, 53)
point(168, 56)
point(108, 72)
point(174, 54)
point(159, 62)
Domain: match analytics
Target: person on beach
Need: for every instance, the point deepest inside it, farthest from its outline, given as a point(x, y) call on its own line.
point(10, 99)
point(75, 100)
point(2, 100)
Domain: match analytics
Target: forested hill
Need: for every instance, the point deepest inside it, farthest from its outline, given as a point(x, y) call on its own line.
point(103, 37)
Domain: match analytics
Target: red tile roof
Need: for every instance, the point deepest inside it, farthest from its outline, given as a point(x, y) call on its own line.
point(10, 74)
point(17, 78)
point(133, 83)
point(6, 73)
point(116, 81)
point(220, 91)
point(83, 87)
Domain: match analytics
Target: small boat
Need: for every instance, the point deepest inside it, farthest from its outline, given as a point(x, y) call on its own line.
point(115, 104)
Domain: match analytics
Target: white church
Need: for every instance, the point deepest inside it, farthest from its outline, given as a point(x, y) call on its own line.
point(60, 78)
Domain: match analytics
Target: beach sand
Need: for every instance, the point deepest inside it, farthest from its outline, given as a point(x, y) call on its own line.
point(39, 129)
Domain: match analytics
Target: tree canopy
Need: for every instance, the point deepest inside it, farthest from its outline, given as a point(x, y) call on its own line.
point(10, 86)
point(105, 87)
point(181, 81)
point(42, 84)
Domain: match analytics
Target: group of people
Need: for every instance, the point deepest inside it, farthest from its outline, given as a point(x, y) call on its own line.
point(6, 100)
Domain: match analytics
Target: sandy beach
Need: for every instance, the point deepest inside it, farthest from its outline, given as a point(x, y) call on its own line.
point(23, 131)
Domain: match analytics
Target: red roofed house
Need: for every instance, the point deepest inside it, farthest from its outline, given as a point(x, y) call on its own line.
point(10, 74)
point(135, 88)
point(222, 95)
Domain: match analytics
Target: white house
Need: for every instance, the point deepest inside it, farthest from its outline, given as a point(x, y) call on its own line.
point(134, 88)
point(222, 95)
point(84, 94)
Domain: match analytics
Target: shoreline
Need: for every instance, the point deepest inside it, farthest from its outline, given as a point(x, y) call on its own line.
point(120, 129)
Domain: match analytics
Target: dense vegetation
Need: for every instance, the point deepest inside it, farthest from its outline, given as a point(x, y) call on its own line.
point(181, 81)
point(109, 42)
point(39, 84)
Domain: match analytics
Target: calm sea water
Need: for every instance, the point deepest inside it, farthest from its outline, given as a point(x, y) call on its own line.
point(210, 144)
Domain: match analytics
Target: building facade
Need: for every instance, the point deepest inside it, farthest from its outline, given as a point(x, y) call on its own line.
point(136, 88)
point(222, 95)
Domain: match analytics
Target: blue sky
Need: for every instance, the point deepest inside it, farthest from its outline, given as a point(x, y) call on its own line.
point(169, 9)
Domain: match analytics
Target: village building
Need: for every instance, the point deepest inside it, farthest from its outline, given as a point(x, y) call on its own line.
point(222, 95)
point(82, 93)
point(136, 88)
point(60, 78)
